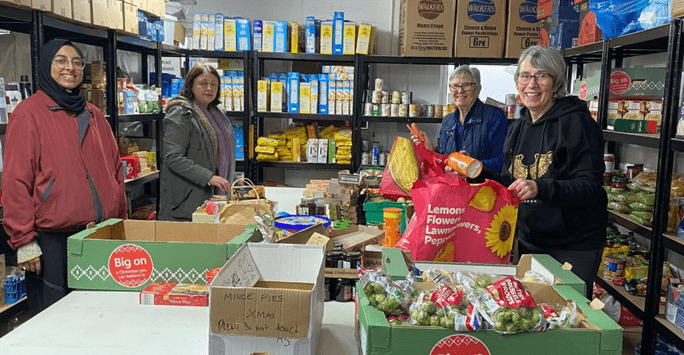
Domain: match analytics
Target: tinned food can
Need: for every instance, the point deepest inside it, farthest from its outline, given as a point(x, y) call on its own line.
point(438, 111)
point(414, 110)
point(391, 218)
point(406, 97)
point(464, 165)
point(368, 109)
point(385, 97)
point(396, 97)
point(376, 97)
point(430, 111)
point(376, 110)
point(385, 110)
point(403, 110)
point(394, 110)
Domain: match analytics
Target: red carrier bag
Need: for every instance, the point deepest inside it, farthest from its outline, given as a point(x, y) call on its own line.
point(461, 222)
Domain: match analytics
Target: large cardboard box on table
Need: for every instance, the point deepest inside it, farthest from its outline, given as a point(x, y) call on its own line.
point(268, 298)
point(129, 255)
point(523, 27)
point(597, 334)
point(480, 29)
point(426, 28)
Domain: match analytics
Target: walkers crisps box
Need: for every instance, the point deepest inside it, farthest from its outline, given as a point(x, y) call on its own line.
point(426, 28)
point(480, 28)
point(268, 299)
point(129, 255)
point(523, 27)
point(596, 333)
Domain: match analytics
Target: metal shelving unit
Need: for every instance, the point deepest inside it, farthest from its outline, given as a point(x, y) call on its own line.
point(258, 118)
point(610, 54)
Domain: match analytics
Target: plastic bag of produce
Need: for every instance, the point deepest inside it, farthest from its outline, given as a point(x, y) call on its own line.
point(506, 303)
point(383, 294)
point(479, 220)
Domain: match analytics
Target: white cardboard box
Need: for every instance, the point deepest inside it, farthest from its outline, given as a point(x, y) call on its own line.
point(278, 274)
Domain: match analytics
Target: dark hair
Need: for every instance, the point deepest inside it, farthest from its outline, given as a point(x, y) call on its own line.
point(198, 69)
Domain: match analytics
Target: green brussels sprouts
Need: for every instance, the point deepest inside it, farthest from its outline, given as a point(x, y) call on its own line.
point(440, 312)
point(429, 307)
point(434, 321)
point(423, 318)
point(378, 288)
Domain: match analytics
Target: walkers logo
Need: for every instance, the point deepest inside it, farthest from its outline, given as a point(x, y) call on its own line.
point(430, 9)
point(528, 11)
point(481, 10)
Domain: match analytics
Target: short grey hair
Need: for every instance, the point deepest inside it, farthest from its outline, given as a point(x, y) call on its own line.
point(466, 70)
point(549, 60)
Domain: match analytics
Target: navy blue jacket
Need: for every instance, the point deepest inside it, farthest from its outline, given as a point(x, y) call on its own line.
point(482, 135)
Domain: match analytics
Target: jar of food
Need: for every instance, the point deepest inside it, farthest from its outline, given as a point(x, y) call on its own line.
point(609, 160)
point(330, 289)
point(639, 168)
point(345, 290)
point(632, 172)
point(619, 183)
point(333, 259)
point(352, 259)
point(308, 206)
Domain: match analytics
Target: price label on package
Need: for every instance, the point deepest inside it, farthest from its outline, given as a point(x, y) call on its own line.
point(239, 271)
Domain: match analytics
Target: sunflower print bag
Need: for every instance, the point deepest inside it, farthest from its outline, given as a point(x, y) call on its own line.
point(459, 222)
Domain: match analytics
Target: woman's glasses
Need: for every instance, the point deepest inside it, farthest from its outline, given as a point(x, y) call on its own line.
point(464, 86)
point(541, 77)
point(63, 62)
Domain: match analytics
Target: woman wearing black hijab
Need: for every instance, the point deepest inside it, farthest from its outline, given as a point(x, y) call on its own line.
point(62, 171)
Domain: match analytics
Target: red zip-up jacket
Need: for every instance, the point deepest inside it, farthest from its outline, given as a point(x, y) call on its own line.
point(45, 182)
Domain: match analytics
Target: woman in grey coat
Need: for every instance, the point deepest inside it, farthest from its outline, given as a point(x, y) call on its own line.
point(199, 146)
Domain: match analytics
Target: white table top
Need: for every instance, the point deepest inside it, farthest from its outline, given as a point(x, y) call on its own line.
point(101, 322)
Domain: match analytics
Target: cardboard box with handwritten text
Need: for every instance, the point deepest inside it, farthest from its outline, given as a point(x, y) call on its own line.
point(268, 298)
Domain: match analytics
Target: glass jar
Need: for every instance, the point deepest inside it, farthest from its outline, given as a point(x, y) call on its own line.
point(619, 183)
point(352, 259)
point(330, 290)
point(345, 290)
point(308, 206)
point(632, 172)
point(609, 160)
point(333, 259)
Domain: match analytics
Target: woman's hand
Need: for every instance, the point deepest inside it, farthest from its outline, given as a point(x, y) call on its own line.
point(219, 182)
point(32, 265)
point(524, 189)
point(426, 141)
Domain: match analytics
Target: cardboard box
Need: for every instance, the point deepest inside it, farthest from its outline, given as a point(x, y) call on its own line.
point(129, 255)
point(179, 32)
point(523, 27)
point(100, 13)
point(42, 5)
point(633, 126)
point(26, 3)
point(638, 81)
point(597, 333)
point(338, 33)
point(480, 29)
point(326, 45)
point(426, 28)
point(674, 310)
point(130, 18)
point(62, 8)
point(175, 294)
point(115, 12)
point(353, 238)
point(589, 32)
point(677, 8)
point(156, 7)
point(367, 41)
point(276, 297)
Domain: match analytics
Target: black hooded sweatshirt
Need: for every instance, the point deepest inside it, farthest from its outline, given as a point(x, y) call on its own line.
point(563, 153)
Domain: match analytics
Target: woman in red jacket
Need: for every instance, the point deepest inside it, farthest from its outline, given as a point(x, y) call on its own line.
point(62, 170)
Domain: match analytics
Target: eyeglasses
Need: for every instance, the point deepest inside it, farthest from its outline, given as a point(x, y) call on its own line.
point(464, 86)
point(541, 77)
point(204, 84)
point(63, 62)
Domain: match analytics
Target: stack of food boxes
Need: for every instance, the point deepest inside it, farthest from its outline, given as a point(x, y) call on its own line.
point(216, 32)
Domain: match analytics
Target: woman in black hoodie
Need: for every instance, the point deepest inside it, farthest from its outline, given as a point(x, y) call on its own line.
point(553, 161)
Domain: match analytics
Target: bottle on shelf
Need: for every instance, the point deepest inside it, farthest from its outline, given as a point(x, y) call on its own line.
point(24, 86)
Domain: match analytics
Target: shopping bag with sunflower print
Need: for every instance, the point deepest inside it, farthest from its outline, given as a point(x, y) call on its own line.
point(471, 223)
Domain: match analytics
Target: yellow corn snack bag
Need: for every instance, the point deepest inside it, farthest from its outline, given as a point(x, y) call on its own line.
point(265, 149)
point(271, 142)
point(402, 164)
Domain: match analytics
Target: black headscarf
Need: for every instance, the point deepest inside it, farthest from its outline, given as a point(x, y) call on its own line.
point(70, 100)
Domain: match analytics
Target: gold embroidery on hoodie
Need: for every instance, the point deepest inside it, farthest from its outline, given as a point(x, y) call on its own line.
point(521, 171)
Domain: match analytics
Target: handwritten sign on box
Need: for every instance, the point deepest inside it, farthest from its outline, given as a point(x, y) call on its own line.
point(239, 271)
point(269, 309)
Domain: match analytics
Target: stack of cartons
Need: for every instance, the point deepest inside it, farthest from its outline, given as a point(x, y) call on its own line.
point(62, 8)
point(523, 27)
point(426, 28)
point(480, 29)
point(82, 11)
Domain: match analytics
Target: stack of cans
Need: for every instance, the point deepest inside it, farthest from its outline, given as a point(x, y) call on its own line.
point(384, 103)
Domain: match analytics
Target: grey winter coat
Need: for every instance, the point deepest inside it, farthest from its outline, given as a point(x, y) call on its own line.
point(188, 162)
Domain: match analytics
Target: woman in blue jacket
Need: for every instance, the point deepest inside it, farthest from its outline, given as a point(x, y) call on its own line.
point(475, 128)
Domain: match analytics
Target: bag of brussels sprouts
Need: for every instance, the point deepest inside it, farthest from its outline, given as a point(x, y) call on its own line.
point(383, 294)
